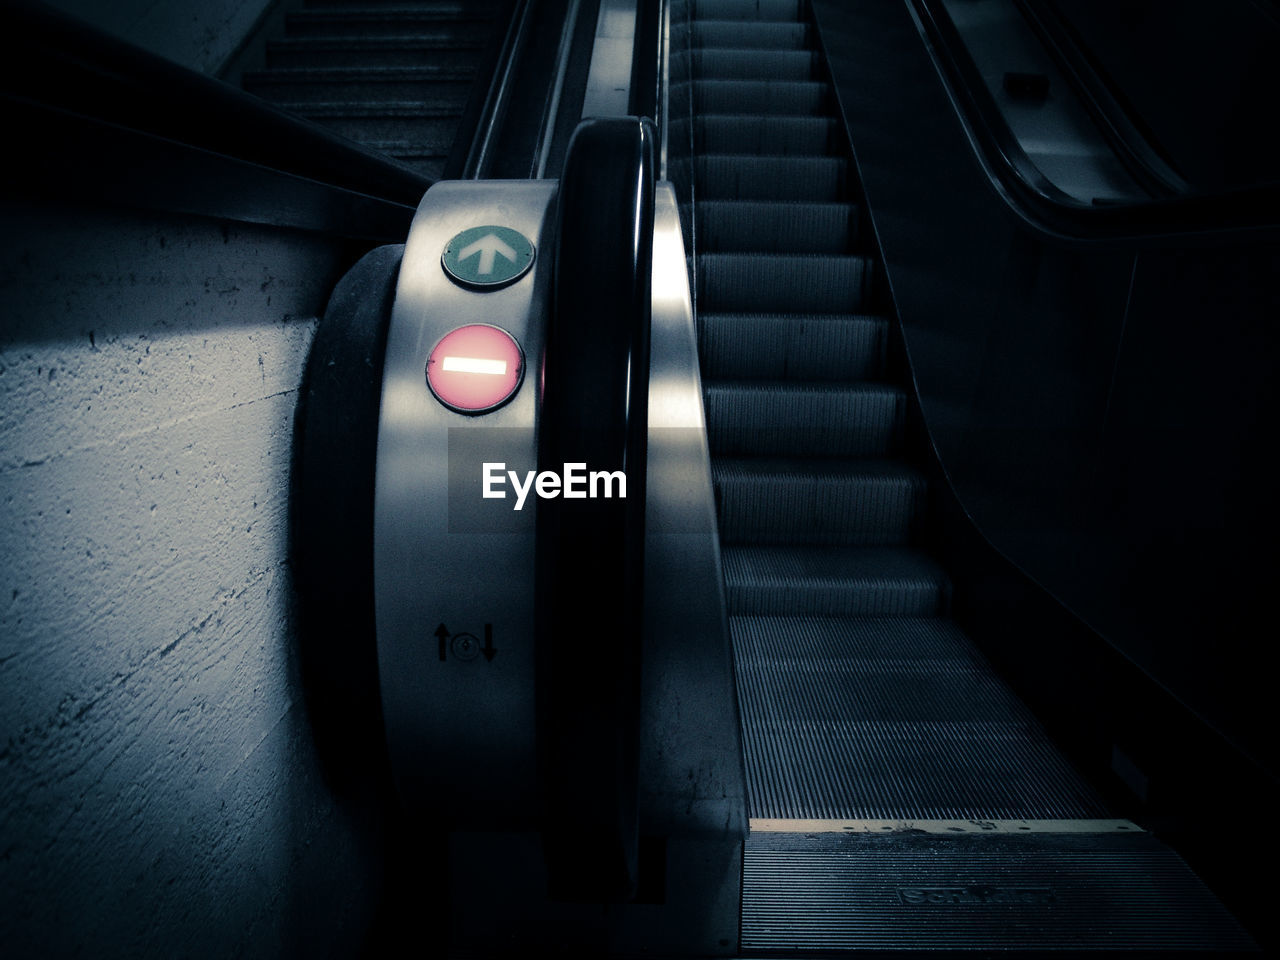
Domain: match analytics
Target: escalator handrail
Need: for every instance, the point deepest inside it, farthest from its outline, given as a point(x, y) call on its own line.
point(480, 131)
point(1041, 204)
point(1139, 156)
point(591, 551)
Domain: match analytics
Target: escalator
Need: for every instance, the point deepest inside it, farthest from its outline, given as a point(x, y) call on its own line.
point(900, 795)
point(395, 78)
point(827, 763)
point(815, 734)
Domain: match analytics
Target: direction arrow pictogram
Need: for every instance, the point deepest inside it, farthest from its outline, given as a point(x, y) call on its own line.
point(487, 247)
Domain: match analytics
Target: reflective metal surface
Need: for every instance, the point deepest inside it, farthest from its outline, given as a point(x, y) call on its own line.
point(609, 78)
point(454, 579)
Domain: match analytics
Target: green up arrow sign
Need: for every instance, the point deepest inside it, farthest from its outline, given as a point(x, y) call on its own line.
point(487, 257)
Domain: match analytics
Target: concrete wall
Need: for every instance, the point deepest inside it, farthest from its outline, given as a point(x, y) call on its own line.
point(201, 34)
point(159, 790)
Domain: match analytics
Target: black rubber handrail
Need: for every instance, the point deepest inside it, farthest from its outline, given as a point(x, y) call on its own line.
point(1135, 151)
point(591, 550)
point(1047, 207)
point(470, 158)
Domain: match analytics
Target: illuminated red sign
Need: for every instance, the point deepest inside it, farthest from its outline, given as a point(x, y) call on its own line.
point(475, 368)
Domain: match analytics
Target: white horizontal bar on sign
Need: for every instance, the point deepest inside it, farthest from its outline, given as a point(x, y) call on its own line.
point(763, 825)
point(475, 365)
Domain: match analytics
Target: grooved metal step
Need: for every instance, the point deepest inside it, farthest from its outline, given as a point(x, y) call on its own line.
point(408, 85)
point(432, 126)
point(778, 346)
point(784, 418)
point(890, 718)
point(789, 98)
point(360, 23)
point(746, 35)
point(727, 63)
point(766, 135)
point(386, 52)
point(746, 177)
point(830, 501)
point(824, 581)
point(761, 226)
point(763, 10)
point(737, 282)
point(446, 8)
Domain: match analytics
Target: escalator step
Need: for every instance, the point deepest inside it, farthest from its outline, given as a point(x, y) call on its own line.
point(792, 98)
point(353, 22)
point(389, 52)
point(723, 63)
point(299, 85)
point(745, 34)
point(453, 8)
point(736, 177)
point(433, 127)
point(726, 226)
point(759, 10)
point(826, 501)
point(427, 159)
point(890, 718)
point(742, 282)
point(761, 346)
point(833, 581)
point(778, 418)
point(766, 136)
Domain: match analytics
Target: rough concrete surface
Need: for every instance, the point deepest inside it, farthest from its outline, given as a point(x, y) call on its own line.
point(159, 792)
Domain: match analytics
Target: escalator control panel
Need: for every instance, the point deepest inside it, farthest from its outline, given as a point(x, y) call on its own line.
point(453, 570)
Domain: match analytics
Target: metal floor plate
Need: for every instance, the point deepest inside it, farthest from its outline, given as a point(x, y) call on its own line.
point(820, 893)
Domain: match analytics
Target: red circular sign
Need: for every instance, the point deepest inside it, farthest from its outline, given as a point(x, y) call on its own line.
point(475, 368)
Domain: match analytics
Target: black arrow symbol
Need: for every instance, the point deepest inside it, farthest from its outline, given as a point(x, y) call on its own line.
point(443, 633)
point(489, 652)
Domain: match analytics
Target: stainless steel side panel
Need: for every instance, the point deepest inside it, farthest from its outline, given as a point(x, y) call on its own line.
point(460, 729)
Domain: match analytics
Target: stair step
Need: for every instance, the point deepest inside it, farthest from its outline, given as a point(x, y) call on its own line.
point(834, 581)
point(771, 282)
point(740, 34)
point(352, 23)
point(738, 177)
point(787, 418)
point(788, 98)
point(422, 158)
point(727, 226)
point(447, 8)
point(727, 63)
point(792, 346)
point(386, 52)
point(759, 10)
point(430, 126)
point(848, 502)
point(767, 135)
point(385, 84)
